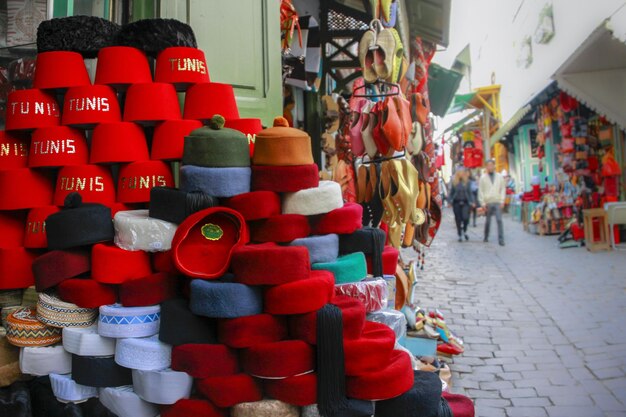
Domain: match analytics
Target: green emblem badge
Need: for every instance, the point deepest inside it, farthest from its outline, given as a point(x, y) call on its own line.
point(212, 231)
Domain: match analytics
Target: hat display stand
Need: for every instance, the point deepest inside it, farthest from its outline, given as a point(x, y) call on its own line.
point(200, 341)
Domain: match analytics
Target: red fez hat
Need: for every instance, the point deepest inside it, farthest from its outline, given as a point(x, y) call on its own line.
point(118, 142)
point(89, 105)
point(30, 109)
point(25, 188)
point(249, 127)
point(113, 265)
point(11, 229)
point(247, 331)
point(60, 69)
point(120, 66)
point(149, 103)
point(279, 359)
point(370, 352)
point(203, 101)
point(169, 138)
point(94, 184)
point(136, 179)
point(192, 358)
point(255, 205)
point(270, 264)
point(302, 296)
point(87, 293)
point(57, 146)
point(181, 66)
point(230, 390)
point(35, 236)
point(13, 151)
point(298, 390)
point(16, 268)
point(191, 408)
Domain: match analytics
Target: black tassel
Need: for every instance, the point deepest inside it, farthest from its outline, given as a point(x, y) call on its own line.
point(331, 372)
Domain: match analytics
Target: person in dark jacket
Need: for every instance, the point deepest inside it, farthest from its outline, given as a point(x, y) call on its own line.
point(462, 199)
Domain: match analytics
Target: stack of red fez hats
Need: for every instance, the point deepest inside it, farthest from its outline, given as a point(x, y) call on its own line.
point(191, 299)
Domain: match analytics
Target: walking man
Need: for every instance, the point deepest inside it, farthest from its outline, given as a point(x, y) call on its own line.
point(491, 194)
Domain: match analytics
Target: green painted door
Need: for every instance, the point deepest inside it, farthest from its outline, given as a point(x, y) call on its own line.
point(241, 40)
point(525, 147)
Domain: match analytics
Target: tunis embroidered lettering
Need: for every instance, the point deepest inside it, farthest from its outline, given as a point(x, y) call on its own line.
point(54, 146)
point(81, 184)
point(90, 104)
point(188, 64)
point(143, 182)
point(13, 149)
point(36, 227)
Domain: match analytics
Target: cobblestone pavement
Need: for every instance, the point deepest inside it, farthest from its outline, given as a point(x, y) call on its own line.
point(544, 328)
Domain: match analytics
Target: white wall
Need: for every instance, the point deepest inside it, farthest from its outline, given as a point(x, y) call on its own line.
point(494, 29)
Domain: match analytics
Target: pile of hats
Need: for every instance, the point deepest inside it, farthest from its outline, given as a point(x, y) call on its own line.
point(245, 288)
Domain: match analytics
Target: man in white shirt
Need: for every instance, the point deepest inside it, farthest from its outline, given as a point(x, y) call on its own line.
point(491, 194)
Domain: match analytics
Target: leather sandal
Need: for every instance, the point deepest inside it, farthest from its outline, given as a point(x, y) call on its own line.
point(379, 135)
point(366, 55)
point(403, 106)
point(384, 55)
point(367, 130)
point(356, 126)
point(392, 125)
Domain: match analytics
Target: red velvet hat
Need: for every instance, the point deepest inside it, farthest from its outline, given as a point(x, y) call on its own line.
point(192, 358)
point(203, 101)
point(86, 106)
point(35, 236)
point(31, 109)
point(204, 242)
point(280, 229)
point(228, 391)
point(255, 205)
point(13, 151)
point(279, 359)
point(304, 326)
point(163, 262)
point(249, 127)
point(87, 293)
point(25, 188)
point(270, 264)
point(297, 390)
point(192, 408)
point(245, 332)
point(11, 229)
point(390, 261)
point(113, 265)
point(121, 66)
point(54, 267)
point(136, 179)
point(94, 184)
point(149, 103)
point(302, 296)
point(393, 380)
point(169, 138)
point(344, 220)
point(148, 290)
point(16, 268)
point(118, 142)
point(181, 66)
point(370, 352)
point(60, 69)
point(57, 146)
point(285, 179)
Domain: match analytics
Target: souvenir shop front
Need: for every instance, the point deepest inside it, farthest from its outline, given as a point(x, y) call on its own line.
point(170, 247)
point(569, 158)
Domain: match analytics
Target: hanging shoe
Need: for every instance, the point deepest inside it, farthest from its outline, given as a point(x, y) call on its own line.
point(356, 128)
point(384, 55)
point(392, 125)
point(367, 47)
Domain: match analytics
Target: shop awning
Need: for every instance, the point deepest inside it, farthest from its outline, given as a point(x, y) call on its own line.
point(461, 123)
point(510, 124)
point(461, 102)
point(595, 73)
point(442, 85)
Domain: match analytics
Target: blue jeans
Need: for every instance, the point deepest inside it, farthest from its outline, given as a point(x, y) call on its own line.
point(494, 209)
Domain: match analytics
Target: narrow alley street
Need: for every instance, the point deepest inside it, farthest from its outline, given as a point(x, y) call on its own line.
point(544, 328)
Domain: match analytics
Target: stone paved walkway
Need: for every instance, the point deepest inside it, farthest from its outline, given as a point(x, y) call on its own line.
point(544, 328)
